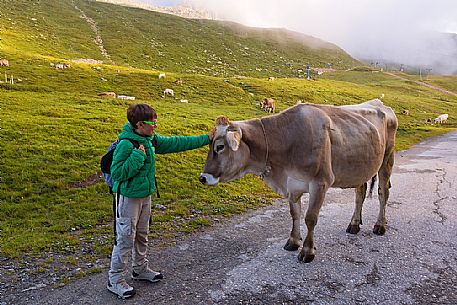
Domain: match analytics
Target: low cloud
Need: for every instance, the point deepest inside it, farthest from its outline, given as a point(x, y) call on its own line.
point(404, 31)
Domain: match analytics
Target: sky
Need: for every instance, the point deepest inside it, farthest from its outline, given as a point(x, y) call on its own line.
point(399, 30)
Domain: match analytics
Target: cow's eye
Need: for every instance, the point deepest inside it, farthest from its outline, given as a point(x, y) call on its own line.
point(219, 148)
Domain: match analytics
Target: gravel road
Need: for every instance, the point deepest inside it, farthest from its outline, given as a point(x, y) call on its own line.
point(241, 261)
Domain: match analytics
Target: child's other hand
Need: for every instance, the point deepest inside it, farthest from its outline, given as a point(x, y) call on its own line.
point(142, 148)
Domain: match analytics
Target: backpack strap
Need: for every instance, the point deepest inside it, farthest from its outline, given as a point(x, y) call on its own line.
point(154, 144)
point(116, 198)
point(154, 141)
point(134, 142)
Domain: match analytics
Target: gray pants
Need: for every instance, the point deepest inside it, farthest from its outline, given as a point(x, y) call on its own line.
point(132, 227)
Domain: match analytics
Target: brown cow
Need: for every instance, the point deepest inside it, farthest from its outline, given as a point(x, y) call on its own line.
point(268, 104)
point(308, 149)
point(107, 94)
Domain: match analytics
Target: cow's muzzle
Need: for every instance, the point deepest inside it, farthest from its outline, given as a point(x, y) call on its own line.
point(208, 179)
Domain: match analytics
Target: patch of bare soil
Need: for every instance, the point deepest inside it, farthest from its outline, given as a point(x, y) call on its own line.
point(54, 269)
point(88, 61)
point(91, 180)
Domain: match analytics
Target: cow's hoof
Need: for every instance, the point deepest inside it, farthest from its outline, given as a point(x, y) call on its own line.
point(353, 229)
point(379, 230)
point(306, 258)
point(290, 246)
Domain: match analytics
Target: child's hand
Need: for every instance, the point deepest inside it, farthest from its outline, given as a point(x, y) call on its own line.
point(211, 134)
point(142, 148)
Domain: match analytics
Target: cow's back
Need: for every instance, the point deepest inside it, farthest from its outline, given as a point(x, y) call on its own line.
point(308, 134)
point(390, 125)
point(358, 145)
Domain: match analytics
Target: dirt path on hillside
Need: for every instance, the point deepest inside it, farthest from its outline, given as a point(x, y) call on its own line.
point(423, 84)
point(98, 38)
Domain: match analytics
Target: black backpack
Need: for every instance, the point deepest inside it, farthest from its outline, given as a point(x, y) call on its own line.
point(107, 159)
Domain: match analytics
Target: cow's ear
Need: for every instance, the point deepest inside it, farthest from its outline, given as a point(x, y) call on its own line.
point(234, 139)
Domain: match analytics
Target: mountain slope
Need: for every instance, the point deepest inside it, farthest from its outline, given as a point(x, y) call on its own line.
point(48, 28)
point(138, 38)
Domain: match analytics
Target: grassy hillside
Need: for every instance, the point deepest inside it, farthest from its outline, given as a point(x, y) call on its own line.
point(54, 128)
point(148, 40)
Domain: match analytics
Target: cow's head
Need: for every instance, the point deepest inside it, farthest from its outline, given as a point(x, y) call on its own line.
point(263, 103)
point(227, 156)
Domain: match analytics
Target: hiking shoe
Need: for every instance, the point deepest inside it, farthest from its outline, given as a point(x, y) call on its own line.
point(148, 275)
point(121, 289)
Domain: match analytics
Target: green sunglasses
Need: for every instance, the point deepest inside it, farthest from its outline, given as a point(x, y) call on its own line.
point(150, 122)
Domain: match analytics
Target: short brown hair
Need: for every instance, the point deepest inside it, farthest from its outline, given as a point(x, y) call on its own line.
point(140, 112)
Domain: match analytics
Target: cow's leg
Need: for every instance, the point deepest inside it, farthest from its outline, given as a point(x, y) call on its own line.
point(294, 241)
point(317, 192)
point(383, 194)
point(356, 220)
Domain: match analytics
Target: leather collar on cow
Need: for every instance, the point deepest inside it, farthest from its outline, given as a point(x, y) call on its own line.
point(267, 169)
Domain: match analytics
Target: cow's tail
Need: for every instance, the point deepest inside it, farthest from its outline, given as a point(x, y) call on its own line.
point(373, 181)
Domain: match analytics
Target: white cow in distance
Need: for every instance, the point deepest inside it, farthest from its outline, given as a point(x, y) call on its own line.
point(61, 66)
point(169, 92)
point(161, 75)
point(4, 62)
point(441, 119)
point(126, 97)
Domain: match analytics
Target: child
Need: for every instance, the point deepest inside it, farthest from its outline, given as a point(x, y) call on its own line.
point(133, 172)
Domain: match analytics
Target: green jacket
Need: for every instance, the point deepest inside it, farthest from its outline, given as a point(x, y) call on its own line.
point(134, 170)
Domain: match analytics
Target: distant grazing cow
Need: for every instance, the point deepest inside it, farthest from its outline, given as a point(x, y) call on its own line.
point(184, 101)
point(271, 78)
point(126, 97)
point(441, 119)
point(169, 92)
point(308, 149)
point(61, 66)
point(178, 82)
point(107, 94)
point(4, 62)
point(161, 75)
point(268, 105)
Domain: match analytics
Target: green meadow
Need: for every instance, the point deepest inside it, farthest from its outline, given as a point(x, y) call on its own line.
point(54, 128)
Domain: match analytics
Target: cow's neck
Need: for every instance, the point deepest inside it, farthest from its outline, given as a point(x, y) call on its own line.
point(255, 136)
point(267, 168)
